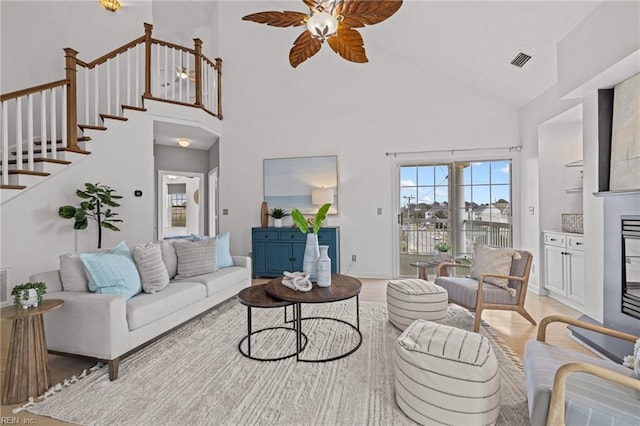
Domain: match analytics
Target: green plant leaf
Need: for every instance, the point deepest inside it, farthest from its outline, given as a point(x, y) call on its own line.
point(81, 224)
point(110, 226)
point(85, 205)
point(80, 215)
point(321, 215)
point(300, 221)
point(66, 212)
point(91, 187)
point(82, 194)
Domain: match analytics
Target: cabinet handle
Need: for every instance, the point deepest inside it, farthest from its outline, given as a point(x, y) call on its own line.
point(578, 243)
point(552, 239)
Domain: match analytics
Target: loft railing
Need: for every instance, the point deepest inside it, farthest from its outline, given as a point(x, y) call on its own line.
point(145, 68)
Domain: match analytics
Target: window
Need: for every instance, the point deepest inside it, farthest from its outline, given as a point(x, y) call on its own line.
point(179, 210)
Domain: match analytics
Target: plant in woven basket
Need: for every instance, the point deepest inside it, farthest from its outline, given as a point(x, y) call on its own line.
point(97, 205)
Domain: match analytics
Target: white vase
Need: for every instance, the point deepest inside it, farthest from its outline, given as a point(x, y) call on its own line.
point(277, 222)
point(31, 300)
point(324, 268)
point(311, 254)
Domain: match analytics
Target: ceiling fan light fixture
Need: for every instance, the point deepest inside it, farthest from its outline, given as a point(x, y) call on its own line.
point(110, 5)
point(182, 73)
point(322, 24)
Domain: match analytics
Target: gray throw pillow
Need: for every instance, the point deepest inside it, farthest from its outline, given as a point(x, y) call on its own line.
point(152, 270)
point(494, 261)
point(169, 257)
point(72, 272)
point(196, 257)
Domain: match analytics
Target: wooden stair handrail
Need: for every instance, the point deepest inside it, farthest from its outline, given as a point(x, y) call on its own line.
point(115, 52)
point(173, 46)
point(34, 89)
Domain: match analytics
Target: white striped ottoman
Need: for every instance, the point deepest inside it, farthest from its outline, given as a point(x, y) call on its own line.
point(412, 299)
point(445, 375)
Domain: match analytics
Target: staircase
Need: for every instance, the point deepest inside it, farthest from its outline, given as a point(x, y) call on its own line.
point(96, 94)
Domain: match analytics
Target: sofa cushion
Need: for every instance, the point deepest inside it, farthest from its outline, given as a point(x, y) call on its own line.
point(72, 272)
point(465, 291)
point(221, 279)
point(592, 400)
point(146, 308)
point(196, 257)
point(153, 272)
point(169, 257)
point(113, 272)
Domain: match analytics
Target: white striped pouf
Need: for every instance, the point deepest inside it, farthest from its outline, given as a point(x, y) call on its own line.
point(445, 375)
point(412, 299)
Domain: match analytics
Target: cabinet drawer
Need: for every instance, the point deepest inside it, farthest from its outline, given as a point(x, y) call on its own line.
point(554, 239)
point(575, 243)
point(292, 234)
point(260, 235)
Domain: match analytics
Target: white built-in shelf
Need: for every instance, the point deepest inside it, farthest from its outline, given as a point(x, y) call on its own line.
point(577, 163)
point(573, 190)
point(620, 192)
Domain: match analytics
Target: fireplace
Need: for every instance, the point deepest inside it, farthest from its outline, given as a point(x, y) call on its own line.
point(631, 265)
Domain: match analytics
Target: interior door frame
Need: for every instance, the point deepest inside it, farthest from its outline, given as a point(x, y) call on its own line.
point(160, 193)
point(213, 201)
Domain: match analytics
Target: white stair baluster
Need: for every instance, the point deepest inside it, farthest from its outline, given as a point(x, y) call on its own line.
point(180, 77)
point(173, 86)
point(86, 95)
point(137, 94)
point(30, 132)
point(118, 83)
point(97, 97)
point(63, 115)
point(166, 59)
point(128, 77)
point(54, 125)
point(158, 84)
point(19, 125)
point(5, 144)
point(187, 80)
point(108, 65)
point(43, 124)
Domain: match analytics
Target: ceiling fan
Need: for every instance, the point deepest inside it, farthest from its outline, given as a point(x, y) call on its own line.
point(331, 20)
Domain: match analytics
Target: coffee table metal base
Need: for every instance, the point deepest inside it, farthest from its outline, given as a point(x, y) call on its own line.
point(253, 333)
point(299, 335)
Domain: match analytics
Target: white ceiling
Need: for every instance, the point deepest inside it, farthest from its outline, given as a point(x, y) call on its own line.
point(474, 41)
point(169, 133)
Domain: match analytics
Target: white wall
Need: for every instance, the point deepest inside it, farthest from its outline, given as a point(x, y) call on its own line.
point(328, 106)
point(33, 236)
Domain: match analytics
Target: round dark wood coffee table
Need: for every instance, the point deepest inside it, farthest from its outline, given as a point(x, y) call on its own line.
point(342, 287)
point(256, 297)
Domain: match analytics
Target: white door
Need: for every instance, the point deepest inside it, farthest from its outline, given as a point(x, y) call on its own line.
point(554, 269)
point(575, 275)
point(213, 202)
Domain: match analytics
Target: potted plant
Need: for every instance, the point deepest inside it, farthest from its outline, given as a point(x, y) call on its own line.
point(443, 248)
point(311, 249)
point(28, 294)
point(277, 214)
point(97, 205)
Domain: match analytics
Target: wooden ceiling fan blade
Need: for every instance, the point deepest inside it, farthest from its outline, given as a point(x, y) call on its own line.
point(303, 48)
point(348, 43)
point(278, 19)
point(358, 13)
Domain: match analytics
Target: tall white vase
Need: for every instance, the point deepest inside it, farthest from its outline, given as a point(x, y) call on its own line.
point(311, 254)
point(324, 268)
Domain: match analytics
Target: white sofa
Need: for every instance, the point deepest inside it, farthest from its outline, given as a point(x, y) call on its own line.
point(106, 327)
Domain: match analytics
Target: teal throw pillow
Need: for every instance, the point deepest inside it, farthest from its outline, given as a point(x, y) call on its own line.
point(224, 254)
point(113, 272)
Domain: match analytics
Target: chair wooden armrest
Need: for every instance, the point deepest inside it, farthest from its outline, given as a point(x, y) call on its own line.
point(509, 277)
point(443, 268)
point(558, 393)
point(542, 328)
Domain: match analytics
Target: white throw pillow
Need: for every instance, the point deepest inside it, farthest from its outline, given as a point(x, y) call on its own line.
point(489, 260)
point(153, 272)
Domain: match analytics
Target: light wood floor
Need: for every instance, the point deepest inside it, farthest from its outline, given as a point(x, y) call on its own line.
point(511, 327)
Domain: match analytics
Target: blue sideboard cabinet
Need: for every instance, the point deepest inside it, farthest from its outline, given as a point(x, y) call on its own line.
point(275, 250)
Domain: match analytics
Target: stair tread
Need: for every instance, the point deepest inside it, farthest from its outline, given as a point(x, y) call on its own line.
point(27, 172)
point(41, 160)
point(134, 108)
point(113, 117)
point(12, 187)
point(91, 127)
point(59, 141)
point(61, 149)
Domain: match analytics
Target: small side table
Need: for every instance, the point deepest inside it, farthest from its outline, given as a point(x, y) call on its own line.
point(422, 266)
point(27, 372)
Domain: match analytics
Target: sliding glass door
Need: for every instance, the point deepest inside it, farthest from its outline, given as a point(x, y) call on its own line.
point(460, 203)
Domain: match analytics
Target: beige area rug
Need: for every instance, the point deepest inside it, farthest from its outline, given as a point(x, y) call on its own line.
point(196, 376)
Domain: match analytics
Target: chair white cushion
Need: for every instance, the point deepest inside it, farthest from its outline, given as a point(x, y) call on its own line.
point(489, 260)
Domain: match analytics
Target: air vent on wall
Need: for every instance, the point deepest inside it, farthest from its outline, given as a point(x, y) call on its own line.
point(520, 60)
